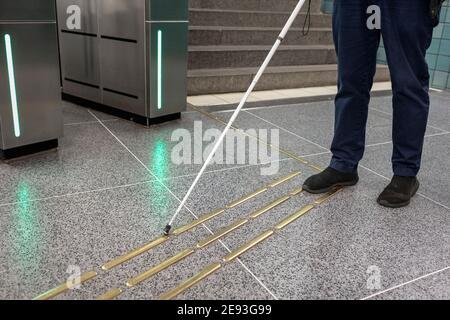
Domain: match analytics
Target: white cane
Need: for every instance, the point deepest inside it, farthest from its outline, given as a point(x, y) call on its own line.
point(236, 113)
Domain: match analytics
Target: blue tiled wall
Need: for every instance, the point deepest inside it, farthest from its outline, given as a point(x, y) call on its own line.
point(438, 56)
point(327, 6)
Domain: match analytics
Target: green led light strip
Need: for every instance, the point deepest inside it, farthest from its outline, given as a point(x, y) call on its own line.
point(12, 85)
point(159, 69)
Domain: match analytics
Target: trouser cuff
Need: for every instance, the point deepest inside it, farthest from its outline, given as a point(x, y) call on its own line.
point(405, 171)
point(342, 166)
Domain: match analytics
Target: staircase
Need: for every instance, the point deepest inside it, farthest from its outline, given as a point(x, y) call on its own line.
point(229, 40)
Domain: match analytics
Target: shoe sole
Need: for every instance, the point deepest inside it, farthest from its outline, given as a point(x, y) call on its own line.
point(399, 205)
point(330, 188)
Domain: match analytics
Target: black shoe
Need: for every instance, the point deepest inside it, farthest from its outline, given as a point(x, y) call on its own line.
point(328, 180)
point(399, 192)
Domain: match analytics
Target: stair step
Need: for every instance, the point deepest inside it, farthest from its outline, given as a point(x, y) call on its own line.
point(207, 81)
point(262, 5)
point(221, 35)
point(243, 18)
point(210, 57)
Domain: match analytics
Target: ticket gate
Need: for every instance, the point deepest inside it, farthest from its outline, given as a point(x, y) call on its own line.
point(30, 88)
point(129, 56)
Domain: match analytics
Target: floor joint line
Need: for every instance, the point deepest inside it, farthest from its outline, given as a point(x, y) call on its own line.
point(71, 194)
point(88, 122)
point(76, 193)
point(426, 136)
point(286, 130)
point(406, 283)
point(391, 115)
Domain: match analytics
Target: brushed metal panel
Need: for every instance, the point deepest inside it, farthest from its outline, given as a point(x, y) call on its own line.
point(174, 68)
point(80, 58)
point(123, 75)
point(167, 10)
point(124, 103)
point(88, 14)
point(122, 19)
point(27, 10)
point(82, 91)
point(36, 70)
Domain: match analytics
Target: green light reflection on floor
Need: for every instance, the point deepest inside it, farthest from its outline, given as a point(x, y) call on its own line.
point(159, 164)
point(26, 236)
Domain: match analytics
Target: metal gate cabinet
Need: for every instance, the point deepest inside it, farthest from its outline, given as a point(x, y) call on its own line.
point(128, 56)
point(167, 34)
point(30, 106)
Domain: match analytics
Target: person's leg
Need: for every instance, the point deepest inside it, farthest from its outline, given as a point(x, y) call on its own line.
point(407, 28)
point(356, 48)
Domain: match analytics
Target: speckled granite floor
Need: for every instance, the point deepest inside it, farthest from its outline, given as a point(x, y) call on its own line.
point(112, 186)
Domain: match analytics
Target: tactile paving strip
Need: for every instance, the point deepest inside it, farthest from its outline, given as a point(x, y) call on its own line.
point(156, 242)
point(115, 292)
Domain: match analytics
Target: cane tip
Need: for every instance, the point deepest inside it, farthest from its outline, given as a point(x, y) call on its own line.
point(167, 230)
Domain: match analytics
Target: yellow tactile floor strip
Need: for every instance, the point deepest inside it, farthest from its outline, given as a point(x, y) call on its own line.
point(197, 222)
point(246, 198)
point(235, 254)
point(114, 293)
point(222, 233)
point(241, 250)
point(65, 286)
point(160, 267)
point(270, 206)
point(191, 281)
point(122, 259)
point(218, 235)
point(118, 261)
point(156, 242)
point(203, 243)
point(244, 248)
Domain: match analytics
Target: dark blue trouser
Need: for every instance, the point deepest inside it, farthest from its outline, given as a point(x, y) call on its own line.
point(406, 28)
